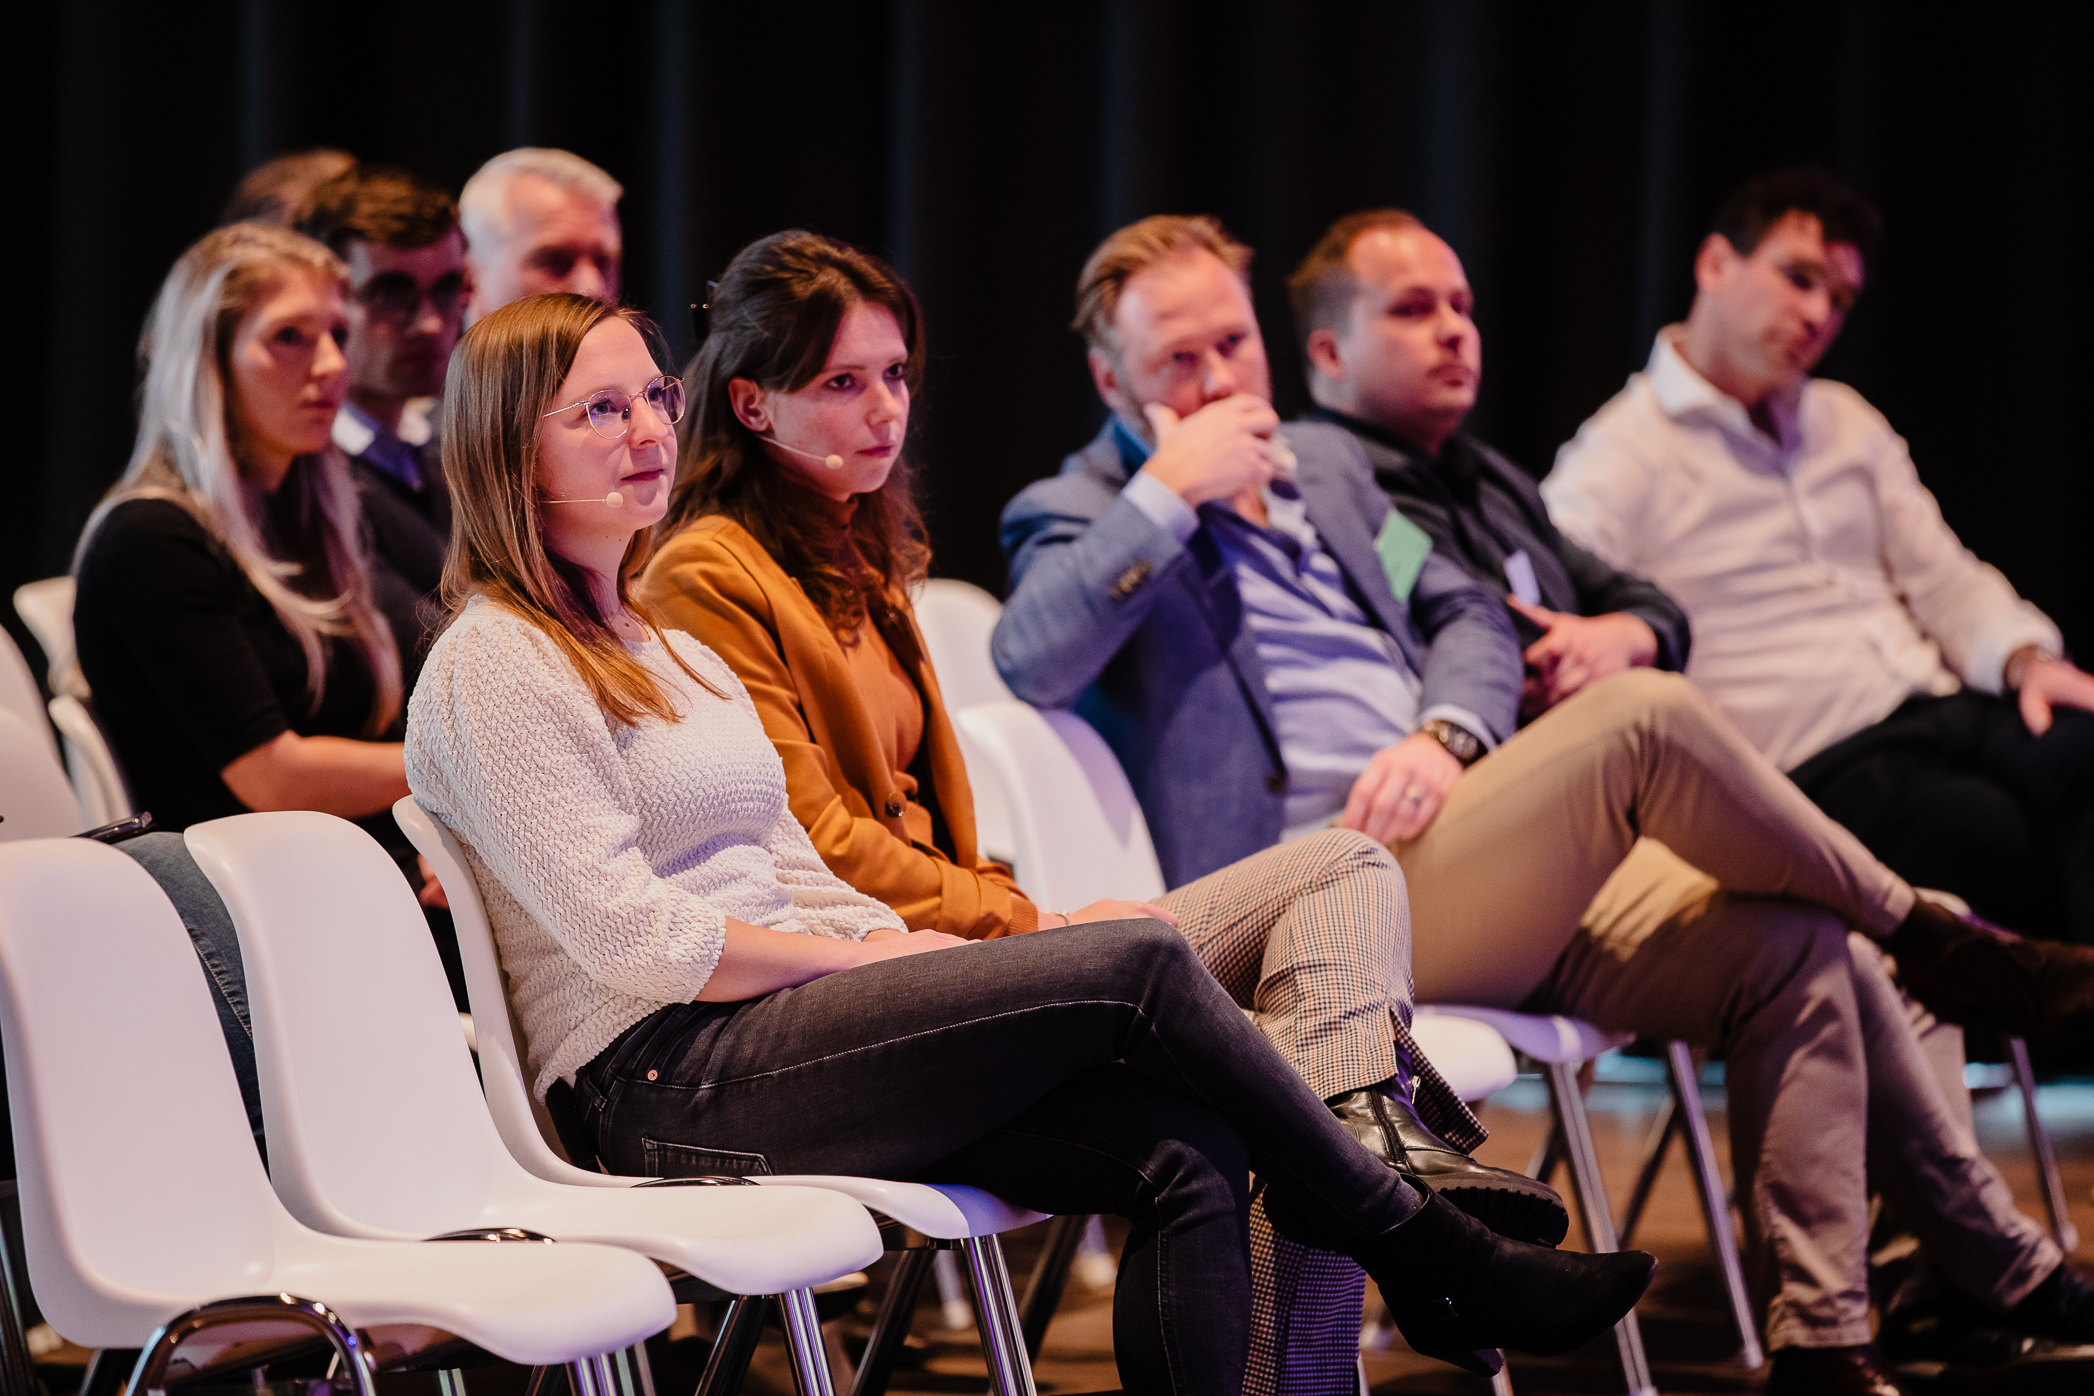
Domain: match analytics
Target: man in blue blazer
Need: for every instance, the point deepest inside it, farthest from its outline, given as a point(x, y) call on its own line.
point(1270, 649)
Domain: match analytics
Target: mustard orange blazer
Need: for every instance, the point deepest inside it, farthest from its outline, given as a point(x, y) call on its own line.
point(718, 583)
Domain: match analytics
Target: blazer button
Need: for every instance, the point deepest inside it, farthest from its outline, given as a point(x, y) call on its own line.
point(1276, 783)
point(894, 809)
point(1130, 581)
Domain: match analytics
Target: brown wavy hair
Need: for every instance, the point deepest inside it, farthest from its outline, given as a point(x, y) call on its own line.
point(775, 314)
point(504, 375)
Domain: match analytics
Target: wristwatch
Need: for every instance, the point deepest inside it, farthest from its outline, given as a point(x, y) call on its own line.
point(1462, 744)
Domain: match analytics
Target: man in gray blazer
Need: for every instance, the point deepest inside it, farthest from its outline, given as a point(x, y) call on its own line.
point(1271, 649)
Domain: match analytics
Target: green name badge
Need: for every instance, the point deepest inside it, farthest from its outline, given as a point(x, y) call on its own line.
point(1402, 547)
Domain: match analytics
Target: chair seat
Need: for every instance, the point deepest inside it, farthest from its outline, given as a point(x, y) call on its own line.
point(536, 1305)
point(1546, 1037)
point(1471, 1056)
point(942, 1211)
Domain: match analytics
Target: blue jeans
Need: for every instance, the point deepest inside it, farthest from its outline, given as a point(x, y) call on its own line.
point(1094, 1069)
point(210, 929)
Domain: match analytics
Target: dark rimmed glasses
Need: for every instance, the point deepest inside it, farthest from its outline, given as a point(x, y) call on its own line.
point(611, 410)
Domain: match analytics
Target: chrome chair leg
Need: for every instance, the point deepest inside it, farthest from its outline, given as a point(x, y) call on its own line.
point(803, 1344)
point(1050, 1277)
point(450, 1382)
point(1715, 1199)
point(1501, 1382)
point(2047, 1177)
point(151, 1372)
point(733, 1345)
point(17, 1371)
point(1591, 1193)
point(107, 1369)
point(891, 1325)
point(996, 1317)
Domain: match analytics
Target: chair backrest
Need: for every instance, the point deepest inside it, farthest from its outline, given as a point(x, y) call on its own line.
point(46, 607)
point(374, 1117)
point(35, 801)
point(519, 1118)
point(97, 783)
point(1078, 831)
point(141, 1188)
point(956, 619)
point(18, 691)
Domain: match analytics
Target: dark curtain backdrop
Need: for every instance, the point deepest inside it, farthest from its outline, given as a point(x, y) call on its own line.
point(1571, 153)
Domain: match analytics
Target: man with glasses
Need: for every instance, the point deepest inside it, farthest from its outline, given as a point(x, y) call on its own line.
point(537, 221)
point(407, 293)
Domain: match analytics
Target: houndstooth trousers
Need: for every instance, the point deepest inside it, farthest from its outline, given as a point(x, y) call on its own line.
point(1312, 938)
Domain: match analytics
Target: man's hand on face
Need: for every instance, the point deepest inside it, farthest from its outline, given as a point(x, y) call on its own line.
point(1578, 651)
point(1217, 452)
point(2045, 683)
point(1402, 789)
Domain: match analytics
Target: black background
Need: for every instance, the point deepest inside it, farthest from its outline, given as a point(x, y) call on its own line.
point(1571, 153)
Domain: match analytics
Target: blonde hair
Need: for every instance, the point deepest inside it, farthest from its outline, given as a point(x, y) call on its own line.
point(504, 375)
point(185, 454)
point(1135, 248)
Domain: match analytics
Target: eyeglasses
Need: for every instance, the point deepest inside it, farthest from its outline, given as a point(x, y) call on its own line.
point(611, 410)
point(396, 297)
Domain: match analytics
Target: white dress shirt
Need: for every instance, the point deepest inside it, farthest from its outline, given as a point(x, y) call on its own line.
point(1823, 586)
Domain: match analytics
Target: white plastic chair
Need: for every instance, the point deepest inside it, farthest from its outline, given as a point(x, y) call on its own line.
point(146, 1211)
point(353, 1022)
point(1077, 831)
point(956, 1218)
point(956, 619)
point(35, 801)
point(46, 607)
point(19, 694)
point(97, 782)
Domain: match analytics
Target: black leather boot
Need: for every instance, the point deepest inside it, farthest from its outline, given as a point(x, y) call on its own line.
point(1511, 1204)
point(1976, 975)
point(1457, 1290)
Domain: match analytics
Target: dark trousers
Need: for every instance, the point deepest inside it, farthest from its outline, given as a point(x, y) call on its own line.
point(1954, 793)
point(1094, 1069)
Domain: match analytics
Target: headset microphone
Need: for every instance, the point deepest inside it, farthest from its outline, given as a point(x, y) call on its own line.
point(832, 460)
point(609, 501)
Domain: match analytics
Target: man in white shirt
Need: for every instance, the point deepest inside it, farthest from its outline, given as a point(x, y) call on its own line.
point(1837, 620)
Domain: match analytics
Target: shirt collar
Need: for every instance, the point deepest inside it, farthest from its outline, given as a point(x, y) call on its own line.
point(1682, 392)
point(353, 431)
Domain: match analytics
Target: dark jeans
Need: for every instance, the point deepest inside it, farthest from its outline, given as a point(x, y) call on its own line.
point(1094, 1069)
point(1954, 793)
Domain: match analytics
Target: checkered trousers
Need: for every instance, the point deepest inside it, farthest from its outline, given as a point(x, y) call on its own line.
point(1312, 938)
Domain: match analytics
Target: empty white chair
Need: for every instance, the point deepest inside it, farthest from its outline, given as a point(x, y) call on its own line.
point(963, 1219)
point(35, 801)
point(19, 694)
point(1077, 830)
point(145, 1204)
point(956, 619)
point(97, 783)
point(46, 607)
point(353, 1022)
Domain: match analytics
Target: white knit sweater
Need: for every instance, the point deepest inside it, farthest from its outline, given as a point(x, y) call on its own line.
point(609, 856)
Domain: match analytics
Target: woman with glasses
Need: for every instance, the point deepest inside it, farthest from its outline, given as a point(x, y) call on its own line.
point(238, 639)
point(699, 994)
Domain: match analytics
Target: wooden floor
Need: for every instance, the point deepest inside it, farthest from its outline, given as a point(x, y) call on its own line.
point(1687, 1332)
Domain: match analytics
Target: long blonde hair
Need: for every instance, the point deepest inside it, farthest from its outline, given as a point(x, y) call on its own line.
point(185, 454)
point(503, 377)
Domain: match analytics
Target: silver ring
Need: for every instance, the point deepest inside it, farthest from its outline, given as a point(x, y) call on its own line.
point(1414, 796)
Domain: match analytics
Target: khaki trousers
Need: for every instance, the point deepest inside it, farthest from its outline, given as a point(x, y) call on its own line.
point(1312, 939)
point(1536, 894)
